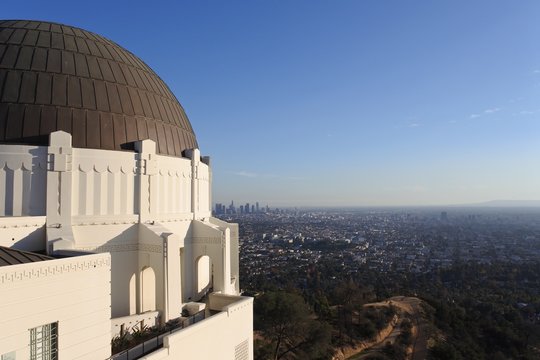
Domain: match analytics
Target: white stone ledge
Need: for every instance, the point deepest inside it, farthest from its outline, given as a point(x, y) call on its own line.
point(22, 221)
point(81, 220)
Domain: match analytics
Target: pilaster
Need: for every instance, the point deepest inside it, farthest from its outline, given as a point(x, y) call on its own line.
point(195, 156)
point(59, 179)
point(226, 261)
point(147, 172)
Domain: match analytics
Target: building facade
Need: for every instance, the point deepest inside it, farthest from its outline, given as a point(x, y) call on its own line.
point(102, 178)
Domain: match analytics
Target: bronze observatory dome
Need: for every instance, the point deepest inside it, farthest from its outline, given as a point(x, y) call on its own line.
point(57, 77)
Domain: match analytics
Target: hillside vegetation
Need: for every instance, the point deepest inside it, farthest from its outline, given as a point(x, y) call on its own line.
point(468, 311)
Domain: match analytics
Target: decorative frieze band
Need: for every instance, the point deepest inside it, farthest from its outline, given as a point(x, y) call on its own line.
point(85, 163)
point(151, 248)
point(133, 167)
point(24, 163)
point(206, 240)
point(113, 168)
point(186, 173)
point(48, 268)
point(124, 247)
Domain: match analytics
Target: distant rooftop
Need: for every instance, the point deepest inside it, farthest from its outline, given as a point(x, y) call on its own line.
point(9, 256)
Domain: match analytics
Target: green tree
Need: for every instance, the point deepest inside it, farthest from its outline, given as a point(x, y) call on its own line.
point(289, 328)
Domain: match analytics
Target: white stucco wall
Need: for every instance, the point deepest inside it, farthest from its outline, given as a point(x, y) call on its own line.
point(227, 335)
point(130, 323)
point(111, 182)
point(73, 292)
point(235, 252)
point(150, 216)
point(103, 182)
point(121, 241)
point(23, 171)
point(23, 232)
point(174, 185)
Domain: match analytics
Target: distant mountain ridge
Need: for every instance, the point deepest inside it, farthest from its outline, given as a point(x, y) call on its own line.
point(508, 203)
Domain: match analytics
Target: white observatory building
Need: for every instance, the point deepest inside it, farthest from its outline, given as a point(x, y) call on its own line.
point(105, 210)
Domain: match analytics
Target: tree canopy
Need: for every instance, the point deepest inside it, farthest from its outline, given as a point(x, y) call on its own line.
point(289, 328)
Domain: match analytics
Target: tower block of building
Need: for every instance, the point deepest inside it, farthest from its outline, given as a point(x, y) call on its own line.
point(105, 208)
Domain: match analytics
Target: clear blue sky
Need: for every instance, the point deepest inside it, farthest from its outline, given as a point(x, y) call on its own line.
point(307, 102)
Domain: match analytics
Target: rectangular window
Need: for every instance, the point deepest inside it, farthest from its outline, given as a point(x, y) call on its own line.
point(9, 356)
point(44, 342)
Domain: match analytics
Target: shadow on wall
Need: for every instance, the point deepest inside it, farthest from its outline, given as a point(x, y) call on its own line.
point(204, 275)
point(123, 248)
point(34, 241)
point(37, 196)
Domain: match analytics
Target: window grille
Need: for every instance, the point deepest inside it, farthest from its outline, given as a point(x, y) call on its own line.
point(44, 342)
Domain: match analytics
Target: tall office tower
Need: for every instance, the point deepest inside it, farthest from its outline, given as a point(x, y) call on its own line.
point(218, 209)
point(246, 208)
point(257, 206)
point(252, 208)
point(106, 223)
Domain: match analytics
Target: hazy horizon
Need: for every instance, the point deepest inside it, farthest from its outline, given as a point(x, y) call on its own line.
point(317, 103)
point(494, 204)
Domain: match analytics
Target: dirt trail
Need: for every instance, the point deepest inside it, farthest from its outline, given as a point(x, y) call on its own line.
point(410, 307)
point(349, 351)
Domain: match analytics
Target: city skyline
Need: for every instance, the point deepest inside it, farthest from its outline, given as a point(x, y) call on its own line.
point(237, 207)
point(315, 103)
